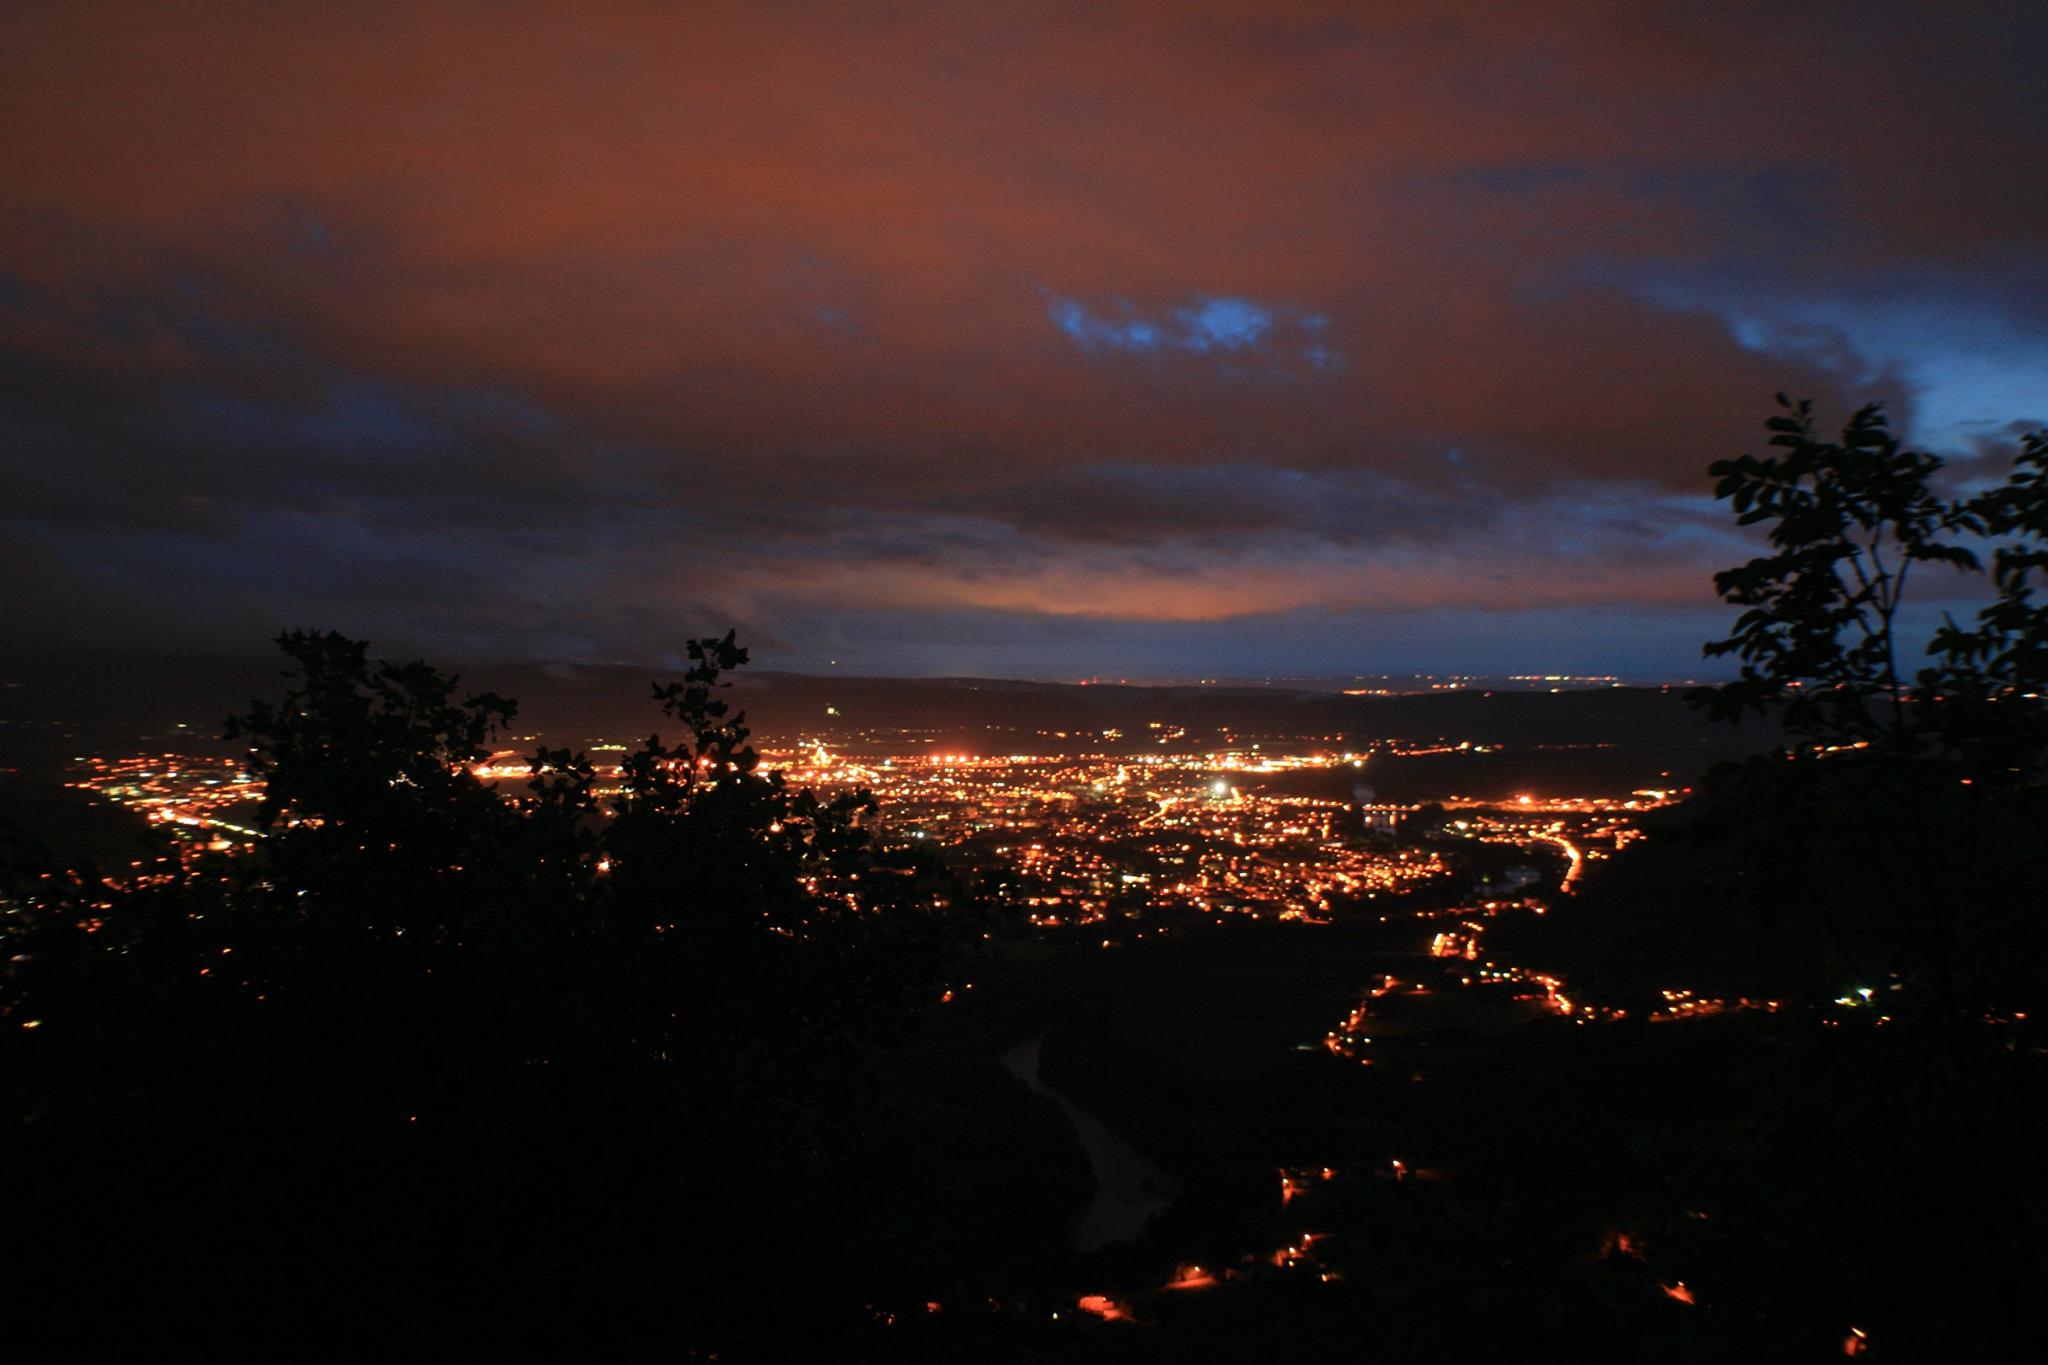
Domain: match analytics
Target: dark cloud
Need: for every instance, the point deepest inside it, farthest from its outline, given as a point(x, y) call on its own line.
point(567, 329)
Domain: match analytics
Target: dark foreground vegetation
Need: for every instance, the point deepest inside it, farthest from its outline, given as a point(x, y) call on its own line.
point(439, 1065)
point(442, 1068)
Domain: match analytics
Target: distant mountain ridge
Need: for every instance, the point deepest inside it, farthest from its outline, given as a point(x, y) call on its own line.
point(91, 703)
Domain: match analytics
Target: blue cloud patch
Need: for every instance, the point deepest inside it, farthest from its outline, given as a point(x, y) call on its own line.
point(1223, 325)
point(1213, 325)
point(1092, 333)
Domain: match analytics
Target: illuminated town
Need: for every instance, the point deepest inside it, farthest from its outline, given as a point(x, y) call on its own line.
point(1115, 843)
point(201, 801)
point(1105, 849)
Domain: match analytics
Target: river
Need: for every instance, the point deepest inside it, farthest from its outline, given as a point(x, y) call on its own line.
point(1128, 1188)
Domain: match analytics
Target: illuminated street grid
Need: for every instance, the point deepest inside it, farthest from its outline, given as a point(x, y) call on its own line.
point(205, 801)
point(1114, 841)
point(1105, 840)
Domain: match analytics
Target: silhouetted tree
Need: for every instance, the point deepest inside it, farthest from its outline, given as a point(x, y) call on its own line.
point(1910, 770)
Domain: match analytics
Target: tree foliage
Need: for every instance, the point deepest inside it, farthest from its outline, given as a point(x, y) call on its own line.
point(1900, 800)
point(1822, 639)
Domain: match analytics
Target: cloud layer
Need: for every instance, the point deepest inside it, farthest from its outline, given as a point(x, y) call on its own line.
point(892, 333)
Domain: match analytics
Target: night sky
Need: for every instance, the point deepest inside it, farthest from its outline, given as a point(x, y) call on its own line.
point(1034, 340)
